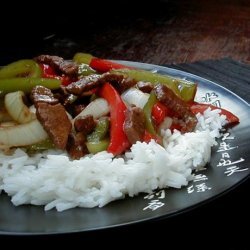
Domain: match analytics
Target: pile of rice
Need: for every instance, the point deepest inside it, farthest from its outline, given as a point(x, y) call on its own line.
point(53, 180)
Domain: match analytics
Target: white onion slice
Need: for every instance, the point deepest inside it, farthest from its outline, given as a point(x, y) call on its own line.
point(16, 108)
point(23, 134)
point(135, 97)
point(98, 108)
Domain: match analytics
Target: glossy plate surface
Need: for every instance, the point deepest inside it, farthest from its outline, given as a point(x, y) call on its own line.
point(228, 167)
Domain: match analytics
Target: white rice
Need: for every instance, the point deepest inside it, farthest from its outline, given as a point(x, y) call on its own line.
point(53, 180)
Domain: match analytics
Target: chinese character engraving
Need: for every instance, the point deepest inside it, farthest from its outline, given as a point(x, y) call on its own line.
point(225, 155)
point(224, 162)
point(209, 97)
point(216, 103)
point(200, 177)
point(149, 196)
point(225, 147)
point(160, 195)
point(234, 169)
point(226, 136)
point(190, 189)
point(202, 187)
point(154, 204)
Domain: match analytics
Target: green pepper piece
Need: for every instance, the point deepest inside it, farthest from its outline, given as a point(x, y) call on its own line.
point(100, 131)
point(21, 68)
point(186, 90)
point(85, 70)
point(97, 146)
point(26, 84)
point(95, 141)
point(40, 146)
point(82, 58)
point(147, 111)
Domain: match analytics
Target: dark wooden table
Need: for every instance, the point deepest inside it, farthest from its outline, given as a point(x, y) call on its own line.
point(159, 32)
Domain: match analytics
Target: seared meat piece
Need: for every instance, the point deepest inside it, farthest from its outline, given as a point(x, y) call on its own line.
point(84, 84)
point(42, 94)
point(134, 125)
point(76, 146)
point(90, 82)
point(55, 121)
point(145, 87)
point(69, 68)
point(179, 107)
point(120, 82)
point(85, 124)
point(52, 115)
point(77, 109)
point(66, 67)
point(53, 61)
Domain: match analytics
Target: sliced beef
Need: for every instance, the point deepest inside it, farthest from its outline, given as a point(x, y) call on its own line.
point(134, 126)
point(120, 82)
point(85, 124)
point(90, 82)
point(76, 146)
point(69, 68)
point(125, 84)
point(145, 87)
point(53, 61)
point(52, 115)
point(84, 84)
point(42, 94)
point(179, 107)
point(66, 67)
point(77, 109)
point(55, 121)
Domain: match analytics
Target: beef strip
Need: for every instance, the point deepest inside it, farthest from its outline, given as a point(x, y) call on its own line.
point(134, 125)
point(84, 84)
point(69, 68)
point(179, 107)
point(145, 87)
point(52, 115)
point(90, 82)
point(77, 109)
point(42, 94)
point(76, 146)
point(66, 67)
point(55, 121)
point(120, 82)
point(85, 124)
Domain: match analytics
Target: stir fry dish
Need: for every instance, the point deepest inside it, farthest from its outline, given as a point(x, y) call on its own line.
point(88, 131)
point(87, 105)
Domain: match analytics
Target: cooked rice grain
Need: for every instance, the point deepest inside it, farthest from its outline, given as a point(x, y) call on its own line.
point(53, 180)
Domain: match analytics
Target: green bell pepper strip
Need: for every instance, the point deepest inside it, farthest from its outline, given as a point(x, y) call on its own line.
point(21, 68)
point(96, 141)
point(97, 146)
point(26, 84)
point(152, 100)
point(85, 70)
point(40, 146)
point(186, 90)
point(82, 58)
point(98, 64)
point(100, 131)
point(118, 139)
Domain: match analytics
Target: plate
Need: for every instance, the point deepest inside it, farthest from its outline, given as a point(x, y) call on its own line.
point(227, 168)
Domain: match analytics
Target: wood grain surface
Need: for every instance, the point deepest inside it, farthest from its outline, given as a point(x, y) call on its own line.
point(178, 31)
point(158, 31)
